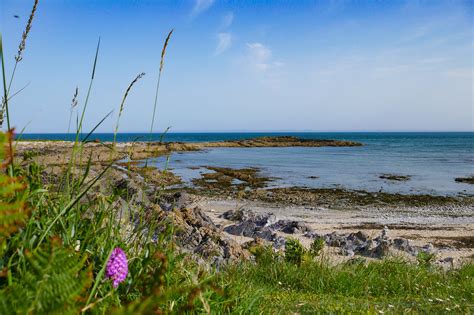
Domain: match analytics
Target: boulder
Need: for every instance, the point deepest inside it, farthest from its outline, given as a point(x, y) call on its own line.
point(291, 227)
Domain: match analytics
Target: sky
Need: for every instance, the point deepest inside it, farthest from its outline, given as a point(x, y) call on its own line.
point(245, 65)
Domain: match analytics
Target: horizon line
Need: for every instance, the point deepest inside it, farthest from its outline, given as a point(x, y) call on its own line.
point(264, 131)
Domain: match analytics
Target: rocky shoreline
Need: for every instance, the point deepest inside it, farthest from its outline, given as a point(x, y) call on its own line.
point(227, 211)
point(57, 152)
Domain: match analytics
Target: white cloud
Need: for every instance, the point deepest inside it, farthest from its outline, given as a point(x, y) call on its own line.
point(260, 57)
point(224, 43)
point(200, 6)
point(227, 20)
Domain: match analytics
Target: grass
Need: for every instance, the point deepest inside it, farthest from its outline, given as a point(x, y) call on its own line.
point(274, 286)
point(56, 239)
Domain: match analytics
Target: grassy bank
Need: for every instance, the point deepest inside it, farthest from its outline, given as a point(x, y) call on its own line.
point(273, 286)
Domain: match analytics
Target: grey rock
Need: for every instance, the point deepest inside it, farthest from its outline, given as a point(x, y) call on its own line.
point(291, 227)
point(429, 249)
point(279, 242)
point(313, 235)
point(246, 228)
point(347, 252)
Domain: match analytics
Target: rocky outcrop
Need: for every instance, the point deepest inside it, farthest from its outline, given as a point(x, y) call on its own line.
point(265, 227)
point(284, 141)
point(395, 177)
point(466, 180)
point(197, 233)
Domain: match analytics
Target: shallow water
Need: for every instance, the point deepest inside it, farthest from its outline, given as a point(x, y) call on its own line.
point(432, 160)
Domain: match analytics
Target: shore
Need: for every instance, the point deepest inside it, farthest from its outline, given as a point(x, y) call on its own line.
point(443, 224)
point(450, 233)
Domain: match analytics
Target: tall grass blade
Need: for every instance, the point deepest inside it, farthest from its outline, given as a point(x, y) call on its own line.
point(162, 63)
point(5, 91)
point(79, 128)
point(18, 58)
point(5, 95)
point(73, 105)
point(96, 126)
point(138, 77)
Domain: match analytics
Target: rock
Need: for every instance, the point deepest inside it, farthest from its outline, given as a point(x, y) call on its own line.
point(429, 249)
point(279, 242)
point(347, 252)
point(334, 239)
point(250, 229)
point(196, 233)
point(290, 227)
point(385, 232)
point(182, 199)
point(313, 235)
point(242, 215)
point(402, 244)
point(381, 250)
point(466, 180)
point(448, 260)
point(265, 233)
point(239, 215)
point(246, 228)
point(395, 177)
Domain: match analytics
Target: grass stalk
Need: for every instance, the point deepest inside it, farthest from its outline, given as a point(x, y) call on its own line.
point(162, 63)
point(138, 77)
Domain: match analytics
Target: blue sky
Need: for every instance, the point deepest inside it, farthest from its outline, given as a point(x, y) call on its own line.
point(247, 65)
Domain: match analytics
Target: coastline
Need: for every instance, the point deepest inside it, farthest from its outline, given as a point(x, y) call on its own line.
point(444, 222)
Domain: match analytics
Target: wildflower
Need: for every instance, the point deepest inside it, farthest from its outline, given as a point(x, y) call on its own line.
point(117, 266)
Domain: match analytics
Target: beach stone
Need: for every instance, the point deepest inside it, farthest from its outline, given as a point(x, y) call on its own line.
point(381, 250)
point(347, 252)
point(385, 233)
point(429, 249)
point(246, 228)
point(313, 235)
point(279, 242)
point(448, 260)
point(242, 215)
point(290, 227)
point(182, 199)
point(265, 233)
point(239, 215)
point(334, 239)
point(402, 244)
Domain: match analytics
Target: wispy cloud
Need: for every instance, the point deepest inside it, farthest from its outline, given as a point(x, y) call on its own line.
point(227, 20)
point(224, 43)
point(200, 6)
point(224, 37)
point(260, 57)
point(262, 65)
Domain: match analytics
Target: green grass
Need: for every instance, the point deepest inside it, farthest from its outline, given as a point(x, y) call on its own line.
point(274, 286)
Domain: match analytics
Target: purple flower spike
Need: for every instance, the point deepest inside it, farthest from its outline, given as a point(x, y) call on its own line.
point(117, 266)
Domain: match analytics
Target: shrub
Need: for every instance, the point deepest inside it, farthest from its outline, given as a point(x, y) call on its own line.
point(294, 251)
point(316, 247)
point(425, 259)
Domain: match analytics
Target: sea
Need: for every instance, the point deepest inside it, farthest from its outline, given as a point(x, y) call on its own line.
point(432, 159)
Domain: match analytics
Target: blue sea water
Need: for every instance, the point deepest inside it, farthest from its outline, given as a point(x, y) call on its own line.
point(433, 160)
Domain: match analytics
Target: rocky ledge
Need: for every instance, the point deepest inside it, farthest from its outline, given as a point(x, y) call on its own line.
point(59, 152)
point(283, 141)
point(268, 229)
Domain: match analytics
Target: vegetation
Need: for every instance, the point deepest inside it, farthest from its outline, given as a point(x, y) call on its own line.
point(274, 286)
point(57, 243)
